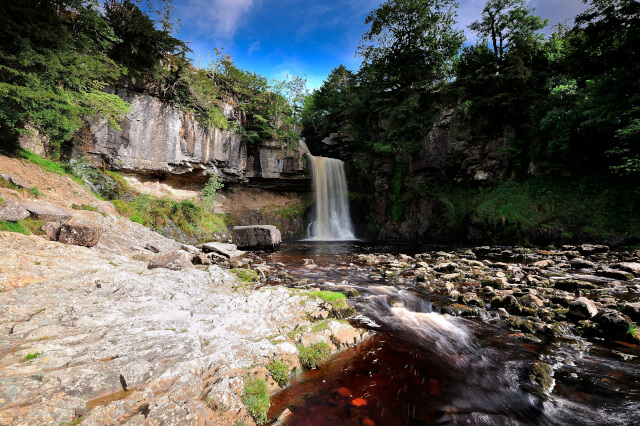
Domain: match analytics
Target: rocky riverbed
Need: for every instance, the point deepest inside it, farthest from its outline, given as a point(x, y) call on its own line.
point(585, 290)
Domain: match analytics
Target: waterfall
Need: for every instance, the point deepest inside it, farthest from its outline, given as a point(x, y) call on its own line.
point(331, 219)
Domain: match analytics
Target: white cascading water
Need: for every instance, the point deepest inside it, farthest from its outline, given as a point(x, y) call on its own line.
point(331, 218)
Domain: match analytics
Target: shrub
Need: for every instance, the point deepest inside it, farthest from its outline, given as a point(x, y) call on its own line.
point(256, 398)
point(313, 355)
point(210, 190)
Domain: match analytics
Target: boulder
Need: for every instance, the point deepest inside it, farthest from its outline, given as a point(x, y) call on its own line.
point(52, 229)
point(588, 249)
point(582, 308)
point(257, 237)
point(226, 250)
point(470, 299)
point(174, 260)
point(580, 263)
point(13, 212)
point(445, 267)
point(632, 267)
point(79, 235)
point(612, 323)
point(531, 301)
point(46, 212)
point(544, 263)
point(615, 274)
point(632, 310)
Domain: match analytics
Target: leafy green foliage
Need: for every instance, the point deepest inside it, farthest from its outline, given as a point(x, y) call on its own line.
point(278, 371)
point(54, 65)
point(256, 398)
point(593, 208)
point(210, 190)
point(313, 355)
point(506, 23)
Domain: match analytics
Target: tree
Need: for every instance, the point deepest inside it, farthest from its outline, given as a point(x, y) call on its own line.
point(53, 66)
point(507, 22)
point(407, 52)
point(411, 43)
point(325, 110)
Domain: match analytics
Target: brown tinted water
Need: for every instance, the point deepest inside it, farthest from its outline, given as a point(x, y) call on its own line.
point(424, 368)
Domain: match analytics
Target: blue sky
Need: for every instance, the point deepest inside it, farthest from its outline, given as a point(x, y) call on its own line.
point(298, 37)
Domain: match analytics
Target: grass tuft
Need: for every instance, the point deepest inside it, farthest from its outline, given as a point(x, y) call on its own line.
point(29, 357)
point(313, 355)
point(337, 300)
point(157, 213)
point(278, 371)
point(256, 398)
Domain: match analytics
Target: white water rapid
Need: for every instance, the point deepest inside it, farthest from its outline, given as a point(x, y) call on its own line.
point(331, 219)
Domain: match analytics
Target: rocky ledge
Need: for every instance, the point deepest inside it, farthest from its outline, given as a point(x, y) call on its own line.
point(93, 334)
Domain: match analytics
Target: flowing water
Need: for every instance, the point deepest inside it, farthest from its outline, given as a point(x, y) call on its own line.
point(331, 218)
point(425, 368)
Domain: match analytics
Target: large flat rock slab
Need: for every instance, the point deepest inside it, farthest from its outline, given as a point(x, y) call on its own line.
point(257, 237)
point(100, 322)
point(47, 212)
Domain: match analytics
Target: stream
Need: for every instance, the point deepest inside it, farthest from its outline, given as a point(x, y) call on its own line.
point(425, 368)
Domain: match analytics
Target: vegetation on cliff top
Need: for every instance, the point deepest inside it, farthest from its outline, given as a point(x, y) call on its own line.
point(567, 102)
point(59, 56)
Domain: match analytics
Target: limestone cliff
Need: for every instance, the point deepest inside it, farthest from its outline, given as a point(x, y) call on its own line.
point(161, 140)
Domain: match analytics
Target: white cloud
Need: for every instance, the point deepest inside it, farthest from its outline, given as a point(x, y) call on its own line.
point(219, 18)
point(255, 46)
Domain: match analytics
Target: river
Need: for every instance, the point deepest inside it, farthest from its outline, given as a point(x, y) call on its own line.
point(425, 368)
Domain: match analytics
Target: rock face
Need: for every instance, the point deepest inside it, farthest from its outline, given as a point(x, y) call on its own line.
point(79, 235)
point(13, 212)
point(46, 212)
point(159, 139)
point(257, 237)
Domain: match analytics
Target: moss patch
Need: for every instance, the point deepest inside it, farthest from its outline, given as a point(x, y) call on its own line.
point(337, 300)
point(246, 275)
